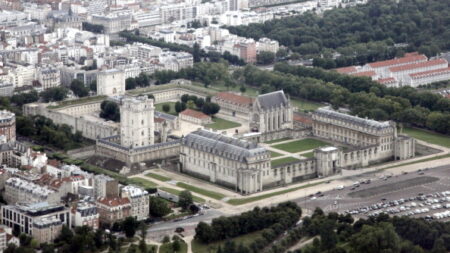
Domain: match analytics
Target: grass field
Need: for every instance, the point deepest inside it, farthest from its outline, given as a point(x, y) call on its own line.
point(142, 182)
point(308, 155)
point(305, 105)
point(167, 248)
point(198, 247)
point(242, 201)
point(278, 140)
point(211, 194)
point(430, 137)
point(158, 177)
point(177, 192)
point(300, 145)
point(221, 124)
point(283, 161)
point(274, 154)
point(172, 111)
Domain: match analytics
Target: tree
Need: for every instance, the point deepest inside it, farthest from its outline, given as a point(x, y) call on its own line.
point(265, 58)
point(242, 89)
point(196, 52)
point(374, 239)
point(282, 53)
point(199, 103)
point(190, 104)
point(129, 226)
point(176, 246)
point(158, 207)
point(210, 108)
point(130, 83)
point(78, 88)
point(185, 199)
point(166, 108)
point(54, 94)
point(110, 111)
point(185, 98)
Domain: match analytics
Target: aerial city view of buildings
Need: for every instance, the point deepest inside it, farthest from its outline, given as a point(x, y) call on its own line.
point(108, 124)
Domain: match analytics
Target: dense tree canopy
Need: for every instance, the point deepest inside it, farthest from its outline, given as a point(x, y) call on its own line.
point(110, 111)
point(361, 34)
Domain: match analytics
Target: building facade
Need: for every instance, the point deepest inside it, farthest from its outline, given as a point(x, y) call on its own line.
point(111, 82)
point(139, 199)
point(113, 209)
point(271, 112)
point(137, 123)
point(8, 125)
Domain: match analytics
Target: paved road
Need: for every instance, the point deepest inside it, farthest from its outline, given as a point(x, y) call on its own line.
point(158, 230)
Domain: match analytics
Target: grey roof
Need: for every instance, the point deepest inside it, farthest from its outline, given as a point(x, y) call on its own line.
point(224, 146)
point(273, 100)
point(352, 119)
point(165, 116)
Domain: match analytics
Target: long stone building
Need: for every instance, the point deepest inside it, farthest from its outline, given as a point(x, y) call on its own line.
point(245, 166)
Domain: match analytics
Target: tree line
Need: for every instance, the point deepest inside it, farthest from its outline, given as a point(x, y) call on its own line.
point(278, 218)
point(197, 53)
point(374, 31)
point(365, 98)
point(45, 131)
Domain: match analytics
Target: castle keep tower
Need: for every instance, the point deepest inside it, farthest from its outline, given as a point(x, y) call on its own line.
point(137, 124)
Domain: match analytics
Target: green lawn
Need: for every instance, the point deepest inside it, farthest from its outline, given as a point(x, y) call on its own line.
point(241, 201)
point(308, 155)
point(283, 161)
point(305, 105)
point(211, 194)
point(177, 192)
point(300, 145)
point(142, 182)
point(278, 140)
point(167, 248)
point(198, 247)
point(172, 111)
point(274, 154)
point(427, 136)
point(221, 124)
point(158, 177)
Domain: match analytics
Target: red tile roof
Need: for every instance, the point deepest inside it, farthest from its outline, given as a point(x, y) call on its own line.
point(346, 70)
point(397, 61)
point(235, 99)
point(194, 114)
point(302, 119)
point(386, 80)
point(159, 120)
point(418, 65)
point(435, 72)
point(365, 73)
point(116, 201)
point(54, 163)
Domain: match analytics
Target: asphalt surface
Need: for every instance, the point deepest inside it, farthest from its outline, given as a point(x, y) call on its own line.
point(157, 231)
point(417, 187)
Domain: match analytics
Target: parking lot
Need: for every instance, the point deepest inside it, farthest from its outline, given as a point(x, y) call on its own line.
point(424, 193)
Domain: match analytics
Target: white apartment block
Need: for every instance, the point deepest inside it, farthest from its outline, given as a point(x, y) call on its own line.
point(113, 23)
point(18, 190)
point(85, 214)
point(175, 12)
point(268, 45)
point(140, 201)
point(49, 77)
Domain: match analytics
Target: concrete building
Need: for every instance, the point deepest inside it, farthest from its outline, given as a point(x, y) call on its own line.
point(42, 220)
point(6, 89)
point(18, 190)
point(267, 45)
point(139, 199)
point(137, 124)
point(49, 77)
point(113, 23)
point(111, 82)
point(224, 160)
point(271, 112)
point(195, 117)
point(85, 214)
point(113, 209)
point(105, 186)
point(8, 125)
